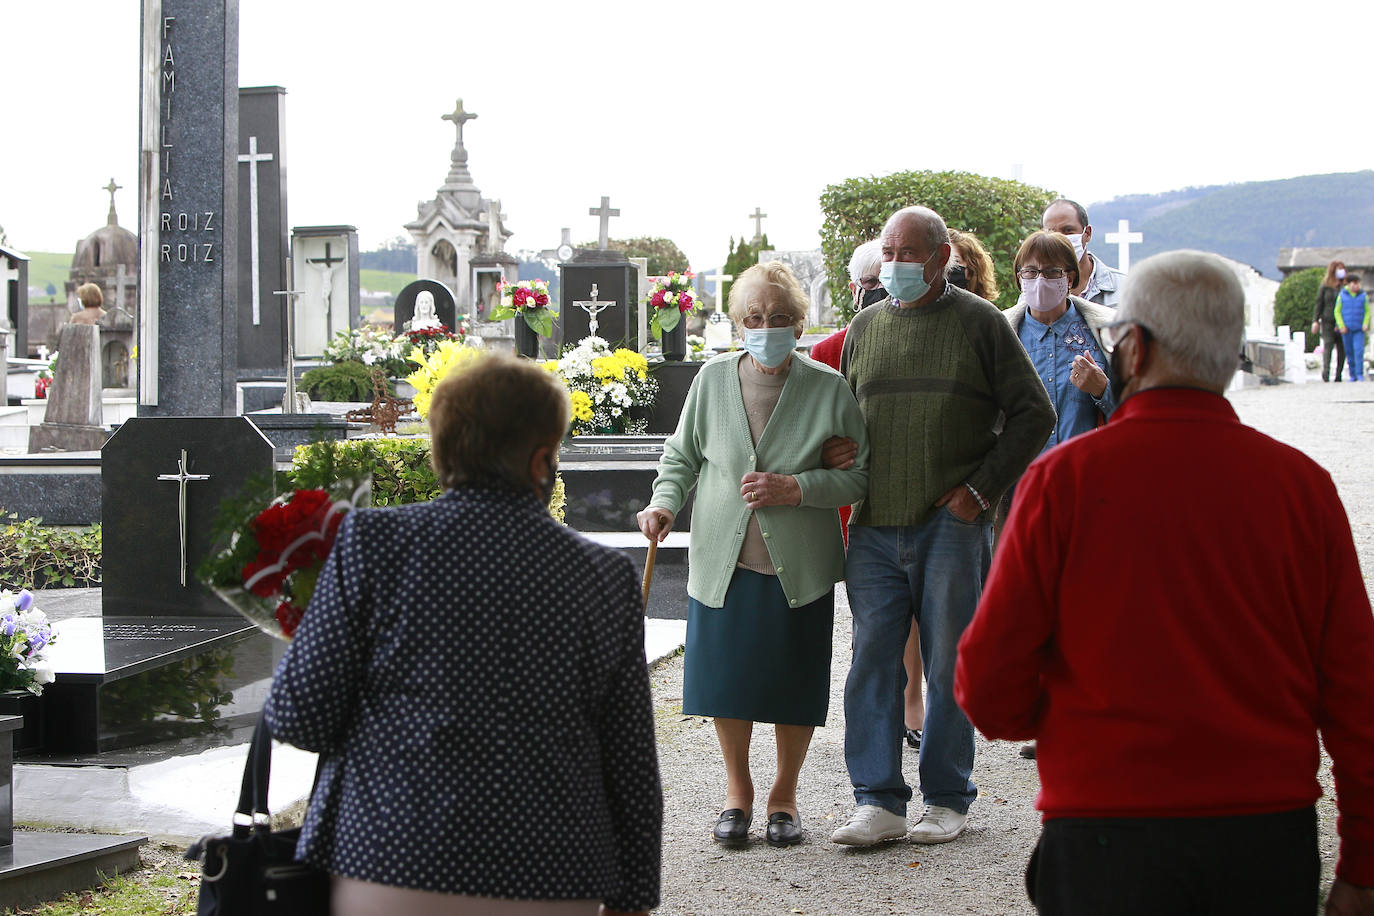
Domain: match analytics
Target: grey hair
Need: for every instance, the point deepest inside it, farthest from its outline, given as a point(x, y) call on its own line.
point(866, 260)
point(1194, 306)
point(935, 231)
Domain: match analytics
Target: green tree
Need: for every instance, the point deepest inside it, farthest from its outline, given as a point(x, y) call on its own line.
point(663, 254)
point(740, 259)
point(1295, 300)
point(999, 211)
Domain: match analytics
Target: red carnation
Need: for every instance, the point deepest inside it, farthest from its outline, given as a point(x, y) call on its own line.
point(684, 303)
point(289, 616)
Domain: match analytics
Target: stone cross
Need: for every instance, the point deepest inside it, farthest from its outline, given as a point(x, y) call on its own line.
point(720, 279)
point(289, 402)
point(1123, 237)
point(459, 117)
point(605, 212)
point(252, 158)
point(758, 217)
point(112, 187)
point(182, 478)
point(592, 307)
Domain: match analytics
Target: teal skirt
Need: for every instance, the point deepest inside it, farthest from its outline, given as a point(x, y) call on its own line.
point(758, 658)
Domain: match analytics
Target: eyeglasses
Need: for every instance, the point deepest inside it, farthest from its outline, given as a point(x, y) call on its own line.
point(1049, 273)
point(869, 282)
point(755, 321)
point(1113, 334)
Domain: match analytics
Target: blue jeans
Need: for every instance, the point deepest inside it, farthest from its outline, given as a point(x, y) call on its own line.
point(1354, 354)
point(934, 571)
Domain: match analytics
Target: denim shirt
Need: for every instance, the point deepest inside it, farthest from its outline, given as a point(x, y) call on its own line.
point(1052, 349)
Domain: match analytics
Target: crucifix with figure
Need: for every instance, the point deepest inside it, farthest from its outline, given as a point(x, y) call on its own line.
point(326, 284)
point(182, 478)
point(605, 212)
point(593, 308)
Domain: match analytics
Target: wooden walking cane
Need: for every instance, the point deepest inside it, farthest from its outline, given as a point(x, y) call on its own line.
point(649, 569)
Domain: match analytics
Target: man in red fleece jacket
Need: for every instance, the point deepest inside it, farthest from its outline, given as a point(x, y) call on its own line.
point(1174, 612)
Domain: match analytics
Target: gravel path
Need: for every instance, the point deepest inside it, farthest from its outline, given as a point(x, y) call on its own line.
point(982, 872)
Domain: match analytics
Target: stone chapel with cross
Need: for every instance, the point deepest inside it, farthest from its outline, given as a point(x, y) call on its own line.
point(460, 236)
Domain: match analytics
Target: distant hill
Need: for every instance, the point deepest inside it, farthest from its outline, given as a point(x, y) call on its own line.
point(1249, 222)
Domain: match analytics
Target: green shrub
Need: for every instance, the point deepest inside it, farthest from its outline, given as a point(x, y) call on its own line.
point(1296, 299)
point(348, 381)
point(400, 468)
point(999, 211)
point(34, 556)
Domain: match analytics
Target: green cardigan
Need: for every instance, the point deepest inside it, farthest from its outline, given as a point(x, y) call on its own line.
point(713, 450)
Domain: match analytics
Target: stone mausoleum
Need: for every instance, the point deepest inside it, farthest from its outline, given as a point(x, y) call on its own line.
point(108, 257)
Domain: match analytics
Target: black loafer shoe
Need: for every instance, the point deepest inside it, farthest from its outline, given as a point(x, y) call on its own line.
point(783, 829)
point(732, 829)
point(913, 738)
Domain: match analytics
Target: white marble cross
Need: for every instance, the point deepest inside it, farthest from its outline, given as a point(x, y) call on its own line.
point(182, 478)
point(720, 278)
point(592, 307)
point(252, 158)
point(1123, 238)
point(605, 212)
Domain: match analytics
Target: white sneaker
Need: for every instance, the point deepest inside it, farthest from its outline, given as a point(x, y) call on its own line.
point(938, 825)
point(870, 825)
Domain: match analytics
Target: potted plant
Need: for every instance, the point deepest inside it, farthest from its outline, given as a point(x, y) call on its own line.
point(611, 390)
point(672, 298)
point(529, 299)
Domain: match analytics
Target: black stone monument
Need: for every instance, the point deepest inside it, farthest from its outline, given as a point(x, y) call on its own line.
point(263, 231)
point(445, 308)
point(157, 526)
point(189, 206)
point(616, 281)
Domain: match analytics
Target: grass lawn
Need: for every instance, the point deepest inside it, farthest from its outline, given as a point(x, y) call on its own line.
point(49, 267)
point(384, 281)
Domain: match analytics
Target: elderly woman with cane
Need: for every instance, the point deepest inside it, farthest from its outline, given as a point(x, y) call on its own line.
point(442, 639)
point(765, 550)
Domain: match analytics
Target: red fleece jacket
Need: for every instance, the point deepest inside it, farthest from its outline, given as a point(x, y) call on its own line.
point(1174, 612)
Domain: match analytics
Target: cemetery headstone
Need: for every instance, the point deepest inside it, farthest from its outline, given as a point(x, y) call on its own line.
point(325, 267)
point(617, 285)
point(73, 421)
point(189, 205)
point(263, 229)
point(445, 309)
point(14, 298)
point(161, 488)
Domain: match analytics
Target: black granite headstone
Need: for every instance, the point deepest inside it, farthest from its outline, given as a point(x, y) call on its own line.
point(616, 281)
point(190, 174)
point(14, 296)
point(143, 533)
point(444, 306)
point(263, 229)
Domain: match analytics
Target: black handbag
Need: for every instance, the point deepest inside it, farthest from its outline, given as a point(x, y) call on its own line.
point(253, 870)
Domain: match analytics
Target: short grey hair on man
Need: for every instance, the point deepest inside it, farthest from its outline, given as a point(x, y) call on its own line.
point(1194, 306)
point(866, 261)
point(935, 230)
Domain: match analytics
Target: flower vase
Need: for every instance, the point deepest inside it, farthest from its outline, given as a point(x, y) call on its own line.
point(526, 339)
point(22, 703)
point(675, 342)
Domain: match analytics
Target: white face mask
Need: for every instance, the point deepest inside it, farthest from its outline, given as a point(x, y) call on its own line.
point(1043, 295)
point(1077, 242)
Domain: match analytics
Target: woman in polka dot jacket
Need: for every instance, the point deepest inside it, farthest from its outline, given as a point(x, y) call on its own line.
point(442, 642)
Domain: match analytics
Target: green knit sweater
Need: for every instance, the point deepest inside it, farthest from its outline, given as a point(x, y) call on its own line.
point(933, 382)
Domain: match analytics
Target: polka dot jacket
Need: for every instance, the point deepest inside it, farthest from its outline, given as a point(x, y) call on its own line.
point(473, 674)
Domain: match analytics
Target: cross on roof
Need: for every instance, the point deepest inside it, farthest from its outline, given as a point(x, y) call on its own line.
point(758, 217)
point(459, 117)
point(112, 187)
point(605, 212)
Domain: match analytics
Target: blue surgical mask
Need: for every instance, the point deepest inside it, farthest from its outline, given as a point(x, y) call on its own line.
point(905, 280)
point(770, 346)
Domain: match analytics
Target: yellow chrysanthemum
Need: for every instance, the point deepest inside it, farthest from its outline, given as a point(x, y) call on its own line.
point(581, 405)
point(449, 357)
point(634, 361)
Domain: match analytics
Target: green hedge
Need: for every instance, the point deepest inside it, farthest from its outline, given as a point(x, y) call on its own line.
point(347, 381)
point(999, 211)
point(32, 556)
point(1296, 299)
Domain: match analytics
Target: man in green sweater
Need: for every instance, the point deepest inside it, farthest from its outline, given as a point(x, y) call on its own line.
point(934, 368)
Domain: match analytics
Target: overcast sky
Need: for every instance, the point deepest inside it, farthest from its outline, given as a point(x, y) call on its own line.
point(689, 115)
